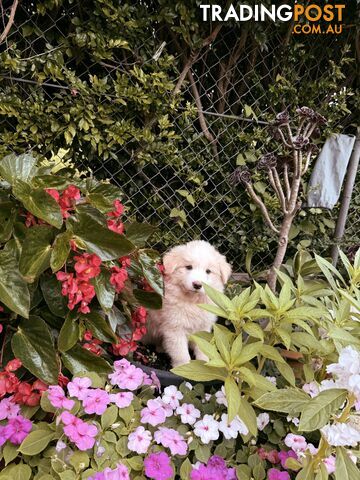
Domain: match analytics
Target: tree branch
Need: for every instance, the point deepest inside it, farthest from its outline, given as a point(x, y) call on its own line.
point(10, 21)
point(281, 195)
point(262, 207)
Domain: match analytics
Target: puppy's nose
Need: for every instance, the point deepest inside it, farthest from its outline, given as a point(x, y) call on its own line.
point(197, 285)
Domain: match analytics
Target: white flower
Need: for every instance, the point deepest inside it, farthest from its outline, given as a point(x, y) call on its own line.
point(60, 445)
point(348, 363)
point(221, 397)
point(272, 380)
point(295, 442)
point(293, 420)
point(312, 389)
point(207, 429)
point(341, 435)
point(262, 420)
point(232, 429)
point(171, 396)
point(139, 440)
point(188, 413)
point(188, 385)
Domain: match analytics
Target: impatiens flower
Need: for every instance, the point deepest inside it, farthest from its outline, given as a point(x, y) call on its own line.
point(78, 387)
point(157, 466)
point(341, 435)
point(312, 389)
point(221, 397)
point(262, 420)
point(57, 398)
point(60, 445)
point(171, 439)
point(207, 429)
point(275, 474)
point(119, 473)
point(130, 378)
point(96, 401)
point(295, 442)
point(188, 413)
point(283, 456)
point(139, 440)
point(79, 432)
point(232, 429)
point(154, 413)
point(215, 469)
point(171, 396)
point(329, 463)
point(202, 473)
point(8, 408)
point(17, 429)
point(122, 399)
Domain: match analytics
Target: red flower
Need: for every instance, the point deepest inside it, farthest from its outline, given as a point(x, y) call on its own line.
point(77, 291)
point(54, 193)
point(13, 365)
point(26, 395)
point(93, 347)
point(1, 308)
point(138, 333)
point(87, 266)
point(66, 200)
point(1, 327)
point(123, 347)
point(8, 383)
point(87, 336)
point(118, 278)
point(62, 380)
point(118, 210)
point(139, 316)
point(116, 226)
point(40, 386)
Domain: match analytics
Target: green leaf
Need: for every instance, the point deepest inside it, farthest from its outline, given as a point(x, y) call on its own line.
point(105, 292)
point(185, 469)
point(287, 400)
point(318, 411)
point(206, 347)
point(248, 416)
point(151, 300)
point(18, 167)
point(69, 334)
point(109, 417)
point(151, 272)
point(219, 299)
point(61, 250)
point(139, 233)
point(16, 472)
point(79, 460)
point(272, 353)
point(97, 238)
point(197, 370)
point(36, 252)
point(222, 343)
point(51, 289)
point(248, 352)
point(14, 291)
point(33, 345)
point(10, 452)
point(79, 360)
point(99, 327)
point(233, 397)
point(36, 442)
point(39, 203)
point(345, 469)
point(254, 330)
point(103, 195)
point(286, 371)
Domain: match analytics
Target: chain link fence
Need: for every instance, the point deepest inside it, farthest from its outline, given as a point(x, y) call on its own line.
point(167, 106)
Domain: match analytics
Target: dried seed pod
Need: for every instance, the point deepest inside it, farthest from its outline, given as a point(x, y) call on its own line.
point(267, 162)
point(300, 142)
point(282, 118)
point(240, 175)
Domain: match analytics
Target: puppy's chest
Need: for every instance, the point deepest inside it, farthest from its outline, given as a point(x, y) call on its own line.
point(189, 316)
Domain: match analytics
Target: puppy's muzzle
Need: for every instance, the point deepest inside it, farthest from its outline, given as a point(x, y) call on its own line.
point(197, 285)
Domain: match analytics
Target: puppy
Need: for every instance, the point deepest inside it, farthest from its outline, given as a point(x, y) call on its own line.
point(187, 268)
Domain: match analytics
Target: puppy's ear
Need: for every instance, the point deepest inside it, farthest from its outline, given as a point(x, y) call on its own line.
point(224, 268)
point(171, 261)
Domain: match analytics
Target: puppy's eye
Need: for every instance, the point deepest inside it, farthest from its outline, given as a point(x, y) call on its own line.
point(208, 271)
point(188, 267)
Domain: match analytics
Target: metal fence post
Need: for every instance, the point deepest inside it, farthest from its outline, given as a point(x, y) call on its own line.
point(346, 198)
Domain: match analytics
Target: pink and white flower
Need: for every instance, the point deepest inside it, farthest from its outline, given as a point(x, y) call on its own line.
point(297, 443)
point(171, 439)
point(171, 396)
point(189, 414)
point(154, 413)
point(139, 440)
point(121, 399)
point(78, 387)
point(232, 429)
point(207, 429)
point(262, 420)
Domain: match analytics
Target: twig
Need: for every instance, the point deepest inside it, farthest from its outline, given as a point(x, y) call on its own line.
point(262, 207)
point(205, 129)
point(10, 21)
point(280, 189)
point(286, 181)
point(193, 57)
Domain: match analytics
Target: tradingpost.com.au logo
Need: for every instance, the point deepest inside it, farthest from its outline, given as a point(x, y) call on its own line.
point(307, 19)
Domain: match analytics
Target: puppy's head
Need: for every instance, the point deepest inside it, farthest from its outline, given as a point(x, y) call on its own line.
point(190, 266)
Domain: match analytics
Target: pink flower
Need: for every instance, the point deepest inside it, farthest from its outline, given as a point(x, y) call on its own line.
point(122, 399)
point(171, 396)
point(283, 456)
point(188, 413)
point(57, 398)
point(119, 473)
point(295, 442)
point(139, 440)
point(129, 378)
point(96, 401)
point(329, 463)
point(17, 429)
point(154, 413)
point(275, 474)
point(79, 432)
point(8, 408)
point(157, 466)
point(78, 387)
point(171, 439)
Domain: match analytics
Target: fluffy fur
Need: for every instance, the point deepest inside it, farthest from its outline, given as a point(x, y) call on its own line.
point(187, 267)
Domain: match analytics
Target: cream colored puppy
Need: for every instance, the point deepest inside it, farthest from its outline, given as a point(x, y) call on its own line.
point(187, 268)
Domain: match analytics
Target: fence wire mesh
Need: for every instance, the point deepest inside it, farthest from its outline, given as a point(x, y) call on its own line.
point(166, 106)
